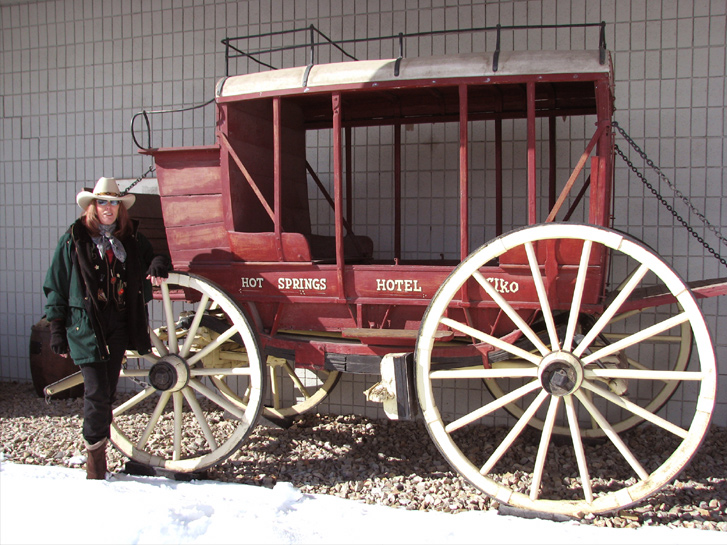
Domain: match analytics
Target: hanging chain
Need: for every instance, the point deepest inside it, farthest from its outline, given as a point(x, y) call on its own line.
point(140, 178)
point(676, 191)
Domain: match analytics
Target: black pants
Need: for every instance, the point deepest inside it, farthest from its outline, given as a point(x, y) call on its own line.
point(101, 378)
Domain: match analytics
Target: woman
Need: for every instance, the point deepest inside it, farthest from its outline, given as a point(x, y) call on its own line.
point(97, 288)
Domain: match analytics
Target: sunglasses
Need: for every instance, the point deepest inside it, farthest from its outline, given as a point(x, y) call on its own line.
point(104, 202)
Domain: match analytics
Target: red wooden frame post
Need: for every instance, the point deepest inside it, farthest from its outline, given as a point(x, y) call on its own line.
point(338, 189)
point(277, 178)
point(397, 190)
point(464, 243)
point(532, 201)
point(498, 176)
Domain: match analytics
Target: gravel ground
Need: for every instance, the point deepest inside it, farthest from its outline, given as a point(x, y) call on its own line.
point(374, 461)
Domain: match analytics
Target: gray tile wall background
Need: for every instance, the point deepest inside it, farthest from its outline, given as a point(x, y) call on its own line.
point(74, 72)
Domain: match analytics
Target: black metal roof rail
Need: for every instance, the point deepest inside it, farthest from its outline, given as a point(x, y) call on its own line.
point(318, 38)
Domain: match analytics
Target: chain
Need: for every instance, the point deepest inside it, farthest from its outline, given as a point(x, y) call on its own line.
point(140, 178)
point(676, 191)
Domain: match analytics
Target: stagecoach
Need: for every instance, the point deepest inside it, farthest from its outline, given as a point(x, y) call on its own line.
point(443, 223)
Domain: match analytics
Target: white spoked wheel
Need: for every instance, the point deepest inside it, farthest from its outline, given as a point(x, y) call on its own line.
point(578, 378)
point(181, 420)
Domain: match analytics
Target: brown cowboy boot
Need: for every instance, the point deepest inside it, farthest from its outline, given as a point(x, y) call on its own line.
point(96, 460)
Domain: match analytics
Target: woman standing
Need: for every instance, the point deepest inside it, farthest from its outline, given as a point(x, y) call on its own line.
point(97, 287)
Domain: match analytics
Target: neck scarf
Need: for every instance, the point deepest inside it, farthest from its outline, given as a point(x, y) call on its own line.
point(106, 240)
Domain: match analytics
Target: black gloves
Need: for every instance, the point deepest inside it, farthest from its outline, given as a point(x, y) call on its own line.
point(58, 340)
point(159, 267)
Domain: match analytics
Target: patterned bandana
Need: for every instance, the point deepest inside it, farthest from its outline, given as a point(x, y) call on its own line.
point(107, 240)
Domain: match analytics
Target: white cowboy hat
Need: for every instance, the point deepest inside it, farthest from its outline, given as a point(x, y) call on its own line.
point(106, 188)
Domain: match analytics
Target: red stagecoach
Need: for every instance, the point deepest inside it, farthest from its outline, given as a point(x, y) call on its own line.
point(415, 218)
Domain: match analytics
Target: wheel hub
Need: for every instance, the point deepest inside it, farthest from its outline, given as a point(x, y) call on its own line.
point(170, 373)
point(560, 373)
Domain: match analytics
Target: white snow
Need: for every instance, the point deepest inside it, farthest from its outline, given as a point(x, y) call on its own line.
point(51, 504)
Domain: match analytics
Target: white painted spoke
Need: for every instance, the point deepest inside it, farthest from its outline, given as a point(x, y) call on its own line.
point(479, 372)
point(138, 398)
point(514, 433)
point(543, 447)
point(542, 296)
point(158, 343)
point(611, 310)
point(636, 338)
point(494, 341)
point(177, 400)
point(217, 399)
point(575, 308)
point(214, 345)
point(492, 406)
point(511, 312)
point(170, 321)
point(612, 435)
point(199, 415)
point(220, 371)
point(646, 374)
point(636, 409)
point(575, 434)
point(153, 419)
point(194, 327)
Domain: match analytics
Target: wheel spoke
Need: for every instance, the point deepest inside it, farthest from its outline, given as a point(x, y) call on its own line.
point(157, 343)
point(636, 338)
point(194, 327)
point(492, 406)
point(613, 436)
point(575, 309)
point(171, 322)
point(201, 419)
point(216, 399)
point(636, 409)
point(645, 374)
point(153, 419)
point(296, 380)
point(542, 296)
point(220, 371)
point(511, 312)
point(138, 398)
point(494, 341)
point(479, 372)
point(575, 434)
point(177, 400)
point(543, 447)
point(611, 310)
point(514, 433)
point(214, 345)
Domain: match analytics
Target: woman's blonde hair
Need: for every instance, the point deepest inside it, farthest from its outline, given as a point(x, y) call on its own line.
point(124, 226)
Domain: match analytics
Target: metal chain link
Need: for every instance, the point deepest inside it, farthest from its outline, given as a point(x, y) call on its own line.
point(676, 191)
point(139, 179)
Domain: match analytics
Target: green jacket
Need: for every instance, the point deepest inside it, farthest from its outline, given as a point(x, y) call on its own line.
point(71, 286)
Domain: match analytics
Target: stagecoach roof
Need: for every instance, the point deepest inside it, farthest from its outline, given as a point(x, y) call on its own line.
point(510, 64)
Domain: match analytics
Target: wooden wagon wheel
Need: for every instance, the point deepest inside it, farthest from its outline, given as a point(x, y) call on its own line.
point(549, 476)
point(180, 420)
